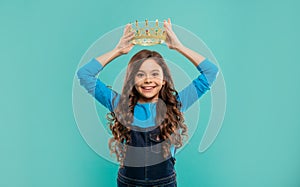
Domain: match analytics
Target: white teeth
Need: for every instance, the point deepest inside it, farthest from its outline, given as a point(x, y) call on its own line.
point(147, 88)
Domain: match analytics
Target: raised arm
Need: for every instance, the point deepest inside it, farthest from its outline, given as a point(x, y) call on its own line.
point(208, 70)
point(199, 86)
point(87, 73)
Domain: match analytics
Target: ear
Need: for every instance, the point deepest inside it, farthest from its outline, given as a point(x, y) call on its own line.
point(163, 82)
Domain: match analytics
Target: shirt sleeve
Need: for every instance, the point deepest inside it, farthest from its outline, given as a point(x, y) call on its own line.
point(87, 77)
point(199, 86)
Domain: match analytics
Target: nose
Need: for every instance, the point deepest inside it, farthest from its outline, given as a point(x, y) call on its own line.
point(147, 79)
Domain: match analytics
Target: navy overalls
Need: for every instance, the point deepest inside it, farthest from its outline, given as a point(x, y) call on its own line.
point(144, 164)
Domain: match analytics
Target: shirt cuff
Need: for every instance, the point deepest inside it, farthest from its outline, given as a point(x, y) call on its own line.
point(204, 65)
point(95, 64)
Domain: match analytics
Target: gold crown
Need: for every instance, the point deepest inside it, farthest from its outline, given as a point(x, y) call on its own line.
point(148, 35)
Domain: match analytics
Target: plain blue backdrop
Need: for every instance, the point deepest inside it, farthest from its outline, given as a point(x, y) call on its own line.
point(257, 47)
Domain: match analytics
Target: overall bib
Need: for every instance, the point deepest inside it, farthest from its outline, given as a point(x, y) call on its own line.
point(144, 164)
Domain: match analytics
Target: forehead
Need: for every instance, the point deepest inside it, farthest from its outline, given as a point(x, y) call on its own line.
point(150, 65)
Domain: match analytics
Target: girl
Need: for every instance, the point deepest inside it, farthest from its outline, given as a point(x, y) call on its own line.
point(146, 119)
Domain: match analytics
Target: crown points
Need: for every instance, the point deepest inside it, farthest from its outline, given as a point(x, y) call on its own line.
point(151, 34)
point(146, 21)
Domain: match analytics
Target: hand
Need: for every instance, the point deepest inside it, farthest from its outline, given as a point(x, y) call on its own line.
point(171, 39)
point(125, 44)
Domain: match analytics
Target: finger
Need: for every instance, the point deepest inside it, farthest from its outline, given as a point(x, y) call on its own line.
point(168, 30)
point(169, 20)
point(165, 24)
point(168, 33)
point(127, 28)
point(129, 35)
point(168, 24)
point(168, 37)
point(128, 39)
point(131, 44)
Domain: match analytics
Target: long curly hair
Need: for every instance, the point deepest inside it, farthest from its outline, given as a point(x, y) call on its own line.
point(169, 119)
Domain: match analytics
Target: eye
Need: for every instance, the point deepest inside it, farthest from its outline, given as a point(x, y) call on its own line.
point(139, 75)
point(155, 74)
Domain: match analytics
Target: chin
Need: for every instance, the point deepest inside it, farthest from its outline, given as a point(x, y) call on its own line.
point(147, 97)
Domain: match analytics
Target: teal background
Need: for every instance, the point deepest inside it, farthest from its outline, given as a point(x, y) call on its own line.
point(255, 42)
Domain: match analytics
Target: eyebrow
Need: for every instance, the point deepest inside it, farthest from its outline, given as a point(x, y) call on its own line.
point(150, 71)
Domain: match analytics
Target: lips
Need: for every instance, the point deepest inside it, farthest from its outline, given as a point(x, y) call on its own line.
point(147, 88)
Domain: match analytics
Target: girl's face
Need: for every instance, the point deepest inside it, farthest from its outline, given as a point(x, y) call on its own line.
point(149, 81)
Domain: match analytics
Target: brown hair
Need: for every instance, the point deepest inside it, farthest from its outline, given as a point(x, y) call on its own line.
point(170, 122)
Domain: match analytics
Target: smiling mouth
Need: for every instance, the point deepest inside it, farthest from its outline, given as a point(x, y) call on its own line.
point(148, 88)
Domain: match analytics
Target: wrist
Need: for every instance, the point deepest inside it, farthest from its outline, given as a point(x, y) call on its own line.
point(179, 48)
point(116, 52)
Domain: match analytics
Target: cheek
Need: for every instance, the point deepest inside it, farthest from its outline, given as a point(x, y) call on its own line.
point(137, 81)
point(159, 80)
